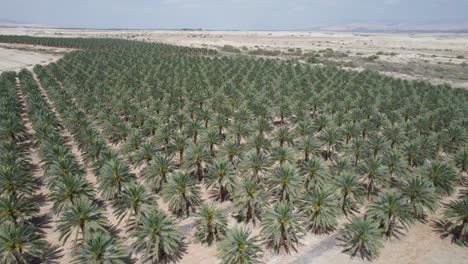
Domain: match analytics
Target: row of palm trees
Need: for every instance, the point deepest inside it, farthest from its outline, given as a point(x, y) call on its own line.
point(378, 146)
point(20, 239)
point(280, 141)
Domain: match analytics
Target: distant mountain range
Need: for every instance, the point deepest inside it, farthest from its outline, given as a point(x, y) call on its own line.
point(394, 27)
point(352, 27)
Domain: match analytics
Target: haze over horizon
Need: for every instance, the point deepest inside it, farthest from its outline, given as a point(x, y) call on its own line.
point(232, 14)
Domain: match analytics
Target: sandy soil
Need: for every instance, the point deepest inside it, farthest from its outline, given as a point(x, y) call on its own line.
point(12, 59)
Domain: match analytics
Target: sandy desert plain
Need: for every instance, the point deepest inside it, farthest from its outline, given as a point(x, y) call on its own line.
point(435, 57)
point(426, 56)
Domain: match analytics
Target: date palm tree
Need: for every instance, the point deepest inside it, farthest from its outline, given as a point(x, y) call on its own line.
point(349, 190)
point(66, 190)
point(281, 227)
point(157, 238)
point(320, 210)
point(255, 163)
point(357, 149)
point(308, 145)
point(250, 199)
point(20, 243)
point(157, 171)
point(419, 192)
point(144, 154)
point(180, 143)
point(363, 237)
point(134, 200)
point(313, 171)
point(443, 176)
point(113, 176)
point(182, 194)
point(83, 217)
point(210, 223)
point(283, 155)
point(331, 138)
point(373, 173)
point(392, 213)
point(238, 130)
point(13, 209)
point(461, 159)
point(456, 214)
point(283, 136)
point(285, 184)
point(211, 138)
point(259, 142)
point(232, 151)
point(221, 176)
point(239, 247)
point(100, 248)
point(195, 158)
point(14, 180)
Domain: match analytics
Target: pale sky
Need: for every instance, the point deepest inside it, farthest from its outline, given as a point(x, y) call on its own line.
point(230, 14)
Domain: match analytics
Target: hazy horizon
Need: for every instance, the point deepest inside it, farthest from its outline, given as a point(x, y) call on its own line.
point(232, 14)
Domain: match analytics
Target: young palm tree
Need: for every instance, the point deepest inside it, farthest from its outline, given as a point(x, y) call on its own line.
point(283, 155)
point(374, 173)
point(461, 159)
point(308, 145)
point(259, 142)
point(180, 143)
point(443, 176)
point(211, 138)
point(285, 184)
point(356, 149)
point(320, 209)
point(396, 165)
point(239, 130)
point(134, 200)
point(113, 176)
point(144, 154)
point(281, 227)
point(83, 217)
point(66, 190)
point(340, 165)
point(349, 190)
point(157, 238)
point(195, 158)
point(193, 129)
point(255, 163)
point(100, 248)
point(232, 151)
point(377, 144)
point(221, 176)
point(13, 209)
point(456, 214)
point(238, 247)
point(249, 199)
point(156, 173)
point(14, 180)
point(392, 213)
point(331, 137)
point(283, 136)
point(313, 171)
point(420, 194)
point(181, 193)
point(363, 237)
point(19, 243)
point(210, 223)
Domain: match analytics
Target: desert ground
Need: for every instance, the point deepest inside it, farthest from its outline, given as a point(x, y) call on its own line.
point(436, 57)
point(421, 244)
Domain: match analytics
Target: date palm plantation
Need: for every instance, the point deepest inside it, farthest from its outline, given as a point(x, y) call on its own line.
point(128, 151)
